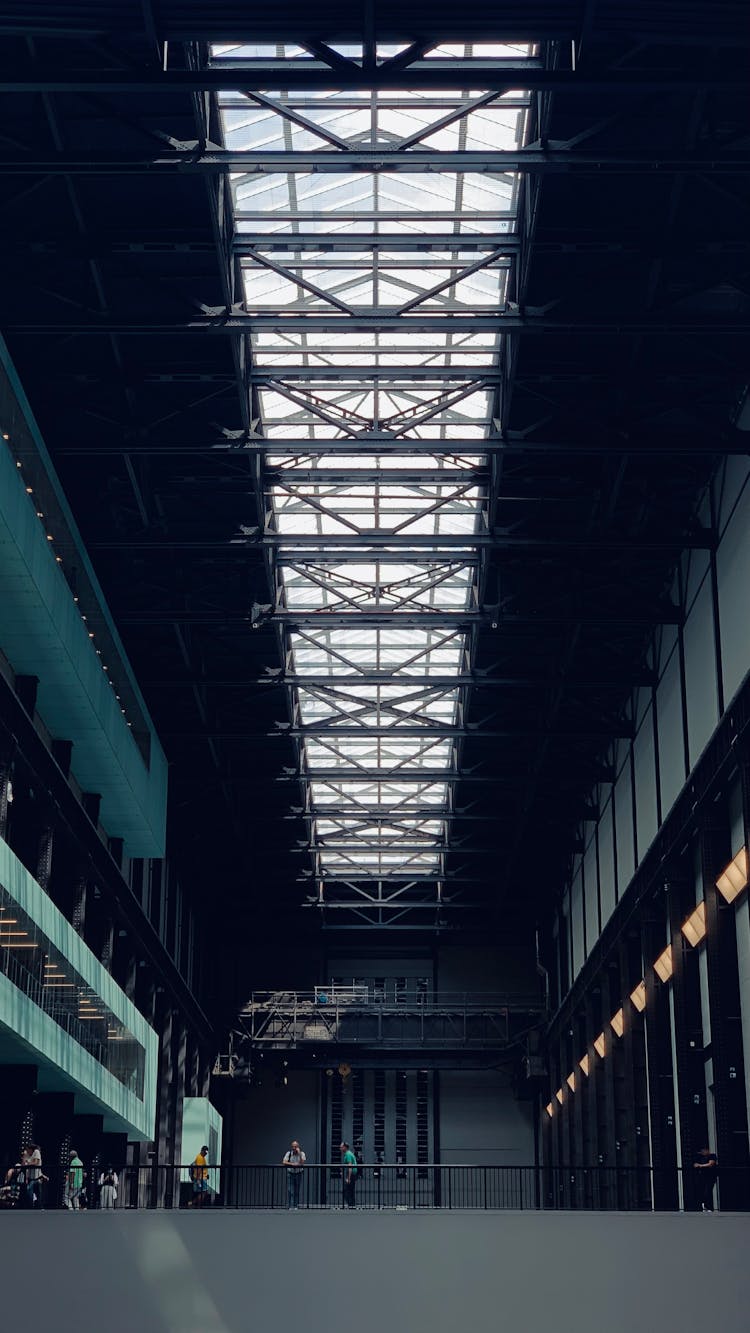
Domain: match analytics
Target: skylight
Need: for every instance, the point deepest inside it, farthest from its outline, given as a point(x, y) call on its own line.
point(375, 480)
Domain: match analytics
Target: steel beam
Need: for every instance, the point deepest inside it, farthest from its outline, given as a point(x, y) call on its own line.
point(435, 74)
point(430, 731)
point(738, 443)
point(368, 320)
point(407, 683)
point(348, 242)
point(362, 543)
point(435, 374)
point(351, 773)
point(495, 162)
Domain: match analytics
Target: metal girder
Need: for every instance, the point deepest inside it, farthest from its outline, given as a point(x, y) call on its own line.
point(543, 161)
point(323, 548)
point(435, 375)
point(667, 445)
point(408, 682)
point(425, 75)
point(345, 242)
point(331, 476)
point(350, 773)
point(359, 904)
point(430, 731)
point(366, 320)
point(615, 616)
point(417, 813)
point(358, 242)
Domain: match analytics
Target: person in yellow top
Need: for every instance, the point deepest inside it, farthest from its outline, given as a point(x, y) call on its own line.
point(199, 1177)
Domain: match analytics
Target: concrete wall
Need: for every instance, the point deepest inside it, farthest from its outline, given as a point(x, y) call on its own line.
point(267, 1118)
point(481, 1122)
point(483, 969)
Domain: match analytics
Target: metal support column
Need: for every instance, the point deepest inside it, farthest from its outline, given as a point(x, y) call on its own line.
point(730, 1108)
point(659, 1062)
point(688, 1034)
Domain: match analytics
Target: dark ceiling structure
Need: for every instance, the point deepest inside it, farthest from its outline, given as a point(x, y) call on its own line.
point(384, 352)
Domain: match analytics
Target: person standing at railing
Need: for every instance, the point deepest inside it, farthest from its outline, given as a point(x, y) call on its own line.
point(708, 1167)
point(199, 1177)
point(294, 1161)
point(108, 1183)
point(349, 1163)
point(74, 1182)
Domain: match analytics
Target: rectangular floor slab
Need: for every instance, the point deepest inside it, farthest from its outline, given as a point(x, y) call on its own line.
point(330, 1272)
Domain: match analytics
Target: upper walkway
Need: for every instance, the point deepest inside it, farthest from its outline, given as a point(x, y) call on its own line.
point(228, 1272)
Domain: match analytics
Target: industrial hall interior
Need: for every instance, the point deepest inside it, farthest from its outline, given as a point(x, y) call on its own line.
point(374, 664)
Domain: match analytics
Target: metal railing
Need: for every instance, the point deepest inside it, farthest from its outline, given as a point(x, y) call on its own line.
point(401, 1187)
point(356, 1016)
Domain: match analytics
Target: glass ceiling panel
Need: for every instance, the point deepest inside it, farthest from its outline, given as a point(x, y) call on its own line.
point(375, 602)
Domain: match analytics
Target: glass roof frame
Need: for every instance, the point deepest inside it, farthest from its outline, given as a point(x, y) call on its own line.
point(354, 607)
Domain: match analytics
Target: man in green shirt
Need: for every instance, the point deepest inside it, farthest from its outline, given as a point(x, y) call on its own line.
point(74, 1181)
point(349, 1163)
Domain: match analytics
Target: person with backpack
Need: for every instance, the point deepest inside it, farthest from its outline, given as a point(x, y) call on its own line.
point(108, 1183)
point(349, 1163)
point(199, 1177)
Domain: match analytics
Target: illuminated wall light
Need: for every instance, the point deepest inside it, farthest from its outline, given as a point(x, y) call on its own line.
point(550, 1108)
point(638, 996)
point(663, 966)
point(734, 879)
point(571, 1082)
point(58, 558)
point(694, 929)
point(29, 490)
point(600, 1045)
point(584, 1064)
point(39, 513)
point(16, 944)
point(559, 1095)
point(617, 1022)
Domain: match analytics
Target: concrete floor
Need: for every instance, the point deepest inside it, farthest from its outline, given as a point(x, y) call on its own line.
point(229, 1272)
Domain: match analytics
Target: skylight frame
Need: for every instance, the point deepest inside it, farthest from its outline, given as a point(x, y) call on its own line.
point(402, 386)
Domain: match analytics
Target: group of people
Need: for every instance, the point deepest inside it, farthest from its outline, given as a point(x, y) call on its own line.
point(25, 1181)
point(294, 1160)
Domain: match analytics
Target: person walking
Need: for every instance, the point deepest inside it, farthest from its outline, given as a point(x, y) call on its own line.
point(199, 1177)
point(294, 1161)
point(32, 1161)
point(74, 1182)
point(349, 1163)
point(108, 1183)
point(708, 1167)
